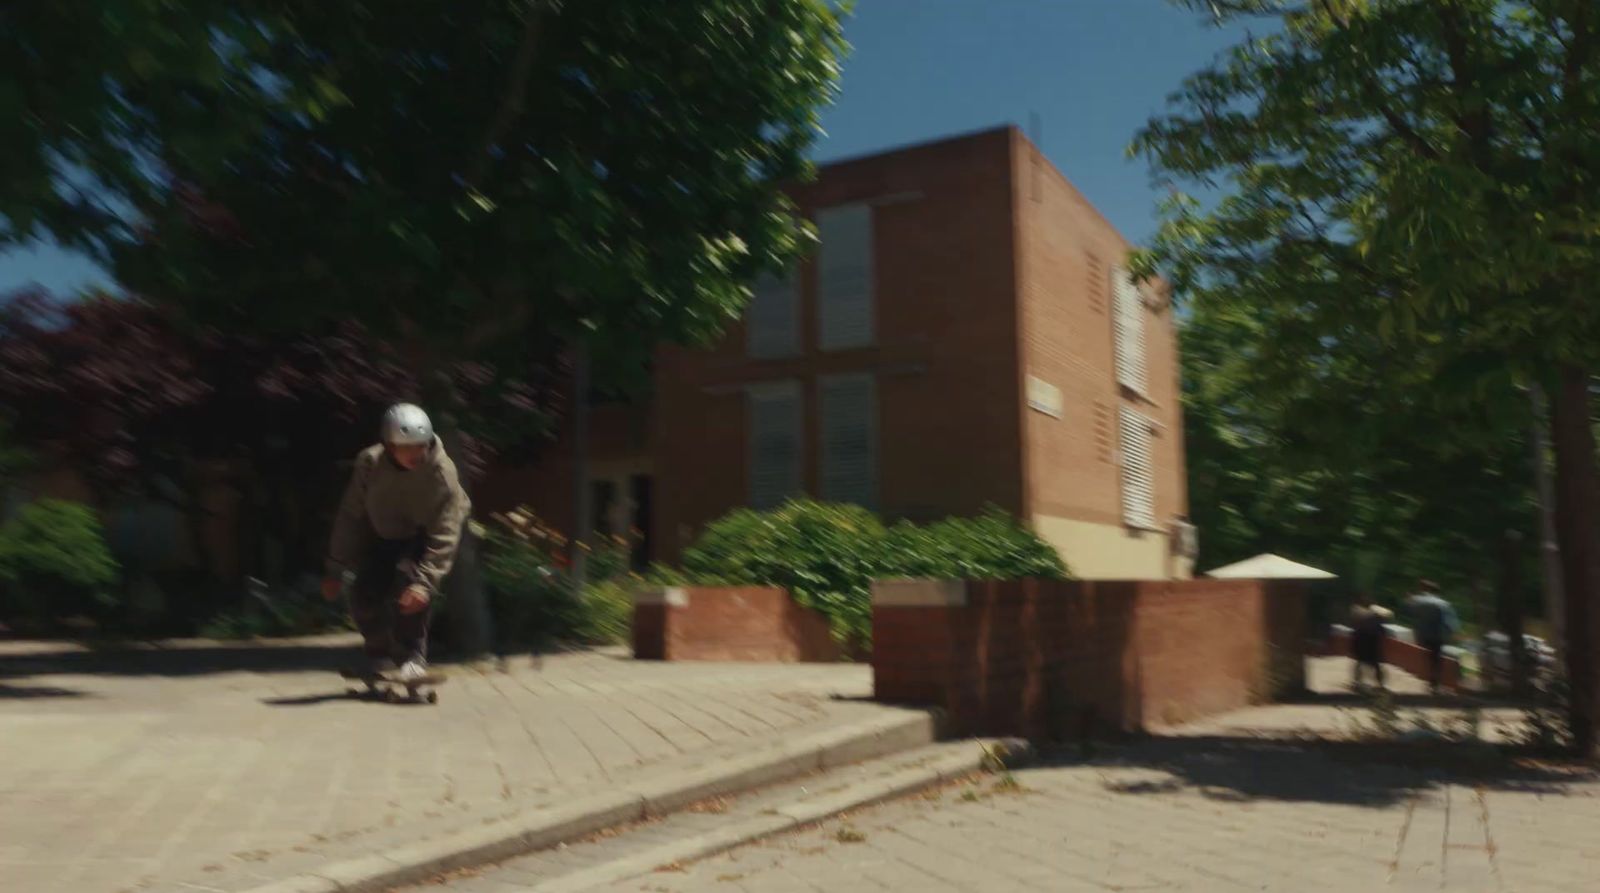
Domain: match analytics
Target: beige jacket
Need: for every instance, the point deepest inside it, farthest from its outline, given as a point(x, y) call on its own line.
point(385, 501)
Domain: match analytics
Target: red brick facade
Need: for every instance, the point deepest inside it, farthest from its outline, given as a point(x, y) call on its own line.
point(1061, 660)
point(987, 268)
point(745, 623)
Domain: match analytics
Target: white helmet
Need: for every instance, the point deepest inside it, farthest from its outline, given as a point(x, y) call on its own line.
point(405, 424)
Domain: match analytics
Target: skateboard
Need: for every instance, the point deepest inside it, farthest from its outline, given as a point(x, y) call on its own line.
point(387, 687)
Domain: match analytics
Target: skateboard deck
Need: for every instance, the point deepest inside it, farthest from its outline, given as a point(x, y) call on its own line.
point(387, 685)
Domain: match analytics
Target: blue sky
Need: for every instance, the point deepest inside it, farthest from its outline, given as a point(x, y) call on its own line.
point(1092, 70)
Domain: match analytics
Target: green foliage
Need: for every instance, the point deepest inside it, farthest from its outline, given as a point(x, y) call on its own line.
point(276, 618)
point(476, 177)
point(54, 563)
point(1373, 273)
point(1403, 198)
point(607, 615)
point(1346, 459)
point(534, 600)
point(992, 546)
point(827, 555)
point(530, 600)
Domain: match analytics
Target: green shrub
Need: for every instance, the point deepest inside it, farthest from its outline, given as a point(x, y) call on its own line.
point(827, 555)
point(531, 602)
point(532, 595)
point(54, 563)
point(992, 546)
point(606, 615)
point(277, 617)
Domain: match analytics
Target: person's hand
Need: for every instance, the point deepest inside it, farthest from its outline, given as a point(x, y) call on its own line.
point(414, 599)
point(331, 587)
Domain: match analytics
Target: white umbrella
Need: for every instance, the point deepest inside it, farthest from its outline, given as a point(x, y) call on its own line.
point(1269, 567)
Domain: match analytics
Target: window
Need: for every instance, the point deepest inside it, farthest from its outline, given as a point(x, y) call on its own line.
point(1138, 471)
point(849, 410)
point(772, 322)
point(844, 277)
point(1128, 321)
point(774, 442)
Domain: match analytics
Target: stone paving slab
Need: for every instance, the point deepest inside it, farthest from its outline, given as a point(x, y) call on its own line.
point(203, 766)
point(1247, 801)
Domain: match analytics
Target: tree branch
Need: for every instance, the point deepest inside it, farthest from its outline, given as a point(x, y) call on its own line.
point(512, 105)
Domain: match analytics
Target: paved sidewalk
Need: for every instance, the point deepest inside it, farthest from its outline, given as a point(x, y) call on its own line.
point(1239, 803)
point(214, 767)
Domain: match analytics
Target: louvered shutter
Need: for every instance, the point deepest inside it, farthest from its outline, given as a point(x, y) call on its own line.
point(774, 443)
point(1138, 471)
point(849, 409)
point(844, 277)
point(1128, 319)
point(772, 322)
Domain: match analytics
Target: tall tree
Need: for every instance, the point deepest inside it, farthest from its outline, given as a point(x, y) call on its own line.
point(1426, 170)
point(139, 403)
point(495, 180)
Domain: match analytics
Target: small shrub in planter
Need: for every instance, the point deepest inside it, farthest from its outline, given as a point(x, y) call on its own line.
point(54, 564)
point(827, 555)
point(532, 596)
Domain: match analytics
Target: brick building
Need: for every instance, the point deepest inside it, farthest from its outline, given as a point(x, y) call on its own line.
point(964, 335)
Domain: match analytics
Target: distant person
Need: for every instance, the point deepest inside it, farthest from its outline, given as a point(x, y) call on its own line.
point(1436, 624)
point(396, 535)
point(1367, 635)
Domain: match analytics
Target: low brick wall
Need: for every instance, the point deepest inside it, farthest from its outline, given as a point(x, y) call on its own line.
point(734, 623)
point(1403, 655)
point(1060, 660)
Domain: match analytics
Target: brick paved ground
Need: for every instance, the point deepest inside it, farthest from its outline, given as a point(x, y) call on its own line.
point(217, 766)
point(1240, 803)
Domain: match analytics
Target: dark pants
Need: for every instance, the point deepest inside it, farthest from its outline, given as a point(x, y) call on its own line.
point(1366, 647)
point(386, 632)
point(1435, 651)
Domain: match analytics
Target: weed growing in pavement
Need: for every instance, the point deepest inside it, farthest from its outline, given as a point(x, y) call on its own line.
point(849, 834)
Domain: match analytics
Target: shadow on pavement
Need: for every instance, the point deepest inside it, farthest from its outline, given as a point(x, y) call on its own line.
point(1289, 769)
point(37, 692)
point(1407, 699)
point(307, 700)
point(178, 661)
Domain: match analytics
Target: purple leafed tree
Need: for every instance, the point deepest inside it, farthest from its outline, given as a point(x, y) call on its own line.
point(143, 405)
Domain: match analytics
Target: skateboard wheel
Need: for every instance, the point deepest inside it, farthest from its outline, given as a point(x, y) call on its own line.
point(433, 697)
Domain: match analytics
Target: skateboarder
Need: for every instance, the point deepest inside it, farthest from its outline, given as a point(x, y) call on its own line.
point(395, 538)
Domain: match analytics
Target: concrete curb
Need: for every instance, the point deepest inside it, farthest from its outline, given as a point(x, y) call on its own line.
point(806, 811)
point(875, 737)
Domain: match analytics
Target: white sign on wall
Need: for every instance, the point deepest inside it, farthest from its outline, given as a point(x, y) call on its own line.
point(1044, 397)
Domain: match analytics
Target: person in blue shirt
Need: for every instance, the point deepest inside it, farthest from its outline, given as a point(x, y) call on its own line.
point(1435, 624)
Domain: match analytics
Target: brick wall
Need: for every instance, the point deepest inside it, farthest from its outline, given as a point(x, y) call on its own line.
point(944, 354)
point(1411, 658)
point(1067, 251)
point(743, 623)
point(1064, 659)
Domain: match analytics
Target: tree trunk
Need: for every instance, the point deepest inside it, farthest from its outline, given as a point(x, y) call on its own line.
point(1549, 551)
point(582, 511)
point(1577, 492)
point(1510, 609)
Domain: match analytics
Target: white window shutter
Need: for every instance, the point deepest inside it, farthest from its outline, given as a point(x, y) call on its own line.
point(1138, 471)
point(845, 277)
point(1128, 320)
point(772, 321)
point(774, 420)
point(849, 415)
